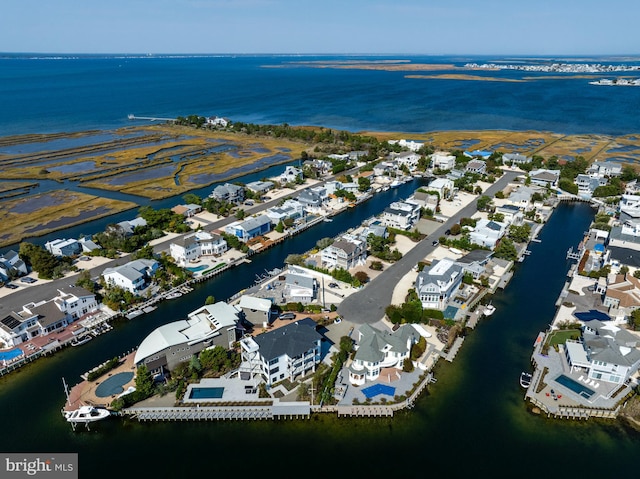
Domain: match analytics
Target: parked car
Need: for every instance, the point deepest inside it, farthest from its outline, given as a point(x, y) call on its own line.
point(334, 285)
point(28, 279)
point(11, 286)
point(436, 243)
point(287, 316)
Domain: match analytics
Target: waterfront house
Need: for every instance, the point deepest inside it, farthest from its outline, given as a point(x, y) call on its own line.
point(288, 352)
point(401, 215)
point(424, 199)
point(249, 228)
point(376, 229)
point(313, 199)
point(377, 350)
point(521, 197)
point(191, 247)
point(344, 253)
point(260, 187)
point(132, 276)
point(475, 262)
point(384, 168)
point(513, 214)
point(289, 210)
point(630, 206)
point(63, 247)
point(322, 167)
point(291, 174)
point(488, 232)
point(256, 310)
point(211, 325)
point(606, 352)
point(408, 159)
point(477, 167)
point(443, 186)
point(588, 183)
point(545, 178)
point(437, 283)
point(217, 121)
point(125, 228)
point(442, 160)
point(11, 266)
point(88, 245)
point(300, 287)
point(228, 192)
point(187, 210)
point(45, 317)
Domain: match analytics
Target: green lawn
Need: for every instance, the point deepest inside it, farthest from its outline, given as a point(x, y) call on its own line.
point(561, 337)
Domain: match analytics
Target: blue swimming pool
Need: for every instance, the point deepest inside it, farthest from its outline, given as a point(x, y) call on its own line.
point(575, 386)
point(206, 393)
point(113, 385)
point(9, 355)
point(376, 389)
point(195, 269)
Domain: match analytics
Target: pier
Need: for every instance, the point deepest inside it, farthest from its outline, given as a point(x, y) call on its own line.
point(131, 116)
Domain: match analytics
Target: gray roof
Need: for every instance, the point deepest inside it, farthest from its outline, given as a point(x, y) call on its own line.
point(346, 246)
point(255, 222)
point(304, 281)
point(477, 255)
point(48, 313)
point(292, 340)
point(373, 341)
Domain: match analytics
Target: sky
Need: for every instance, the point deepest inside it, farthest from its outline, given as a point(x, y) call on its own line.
point(432, 27)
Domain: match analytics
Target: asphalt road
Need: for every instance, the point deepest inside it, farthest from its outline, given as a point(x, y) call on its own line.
point(367, 305)
point(46, 291)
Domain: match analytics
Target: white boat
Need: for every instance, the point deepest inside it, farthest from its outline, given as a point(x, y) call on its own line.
point(489, 309)
point(174, 295)
point(395, 183)
point(525, 379)
point(86, 414)
point(81, 340)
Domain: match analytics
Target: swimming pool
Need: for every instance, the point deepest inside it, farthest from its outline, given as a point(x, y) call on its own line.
point(195, 269)
point(575, 386)
point(9, 355)
point(113, 385)
point(206, 393)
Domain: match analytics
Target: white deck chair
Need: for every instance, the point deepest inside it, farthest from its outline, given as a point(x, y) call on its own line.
point(596, 385)
point(580, 378)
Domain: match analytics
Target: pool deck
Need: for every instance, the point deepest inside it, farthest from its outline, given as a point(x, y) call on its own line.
point(84, 393)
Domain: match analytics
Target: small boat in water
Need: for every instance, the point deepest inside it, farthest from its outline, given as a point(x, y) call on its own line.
point(489, 309)
point(81, 340)
point(174, 295)
point(525, 379)
point(395, 183)
point(86, 414)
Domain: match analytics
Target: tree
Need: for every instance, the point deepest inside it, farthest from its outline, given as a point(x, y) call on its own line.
point(364, 183)
point(210, 300)
point(280, 227)
point(483, 202)
point(191, 198)
point(361, 276)
point(144, 381)
point(324, 243)
point(506, 250)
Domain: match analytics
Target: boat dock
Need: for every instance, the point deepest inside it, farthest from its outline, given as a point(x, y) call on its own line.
point(131, 116)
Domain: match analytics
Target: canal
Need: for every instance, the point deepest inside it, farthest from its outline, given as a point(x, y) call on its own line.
point(473, 421)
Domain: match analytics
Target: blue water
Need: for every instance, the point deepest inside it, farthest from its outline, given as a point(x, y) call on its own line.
point(206, 393)
point(87, 92)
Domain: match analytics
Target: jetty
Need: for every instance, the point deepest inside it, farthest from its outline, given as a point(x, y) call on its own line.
point(131, 116)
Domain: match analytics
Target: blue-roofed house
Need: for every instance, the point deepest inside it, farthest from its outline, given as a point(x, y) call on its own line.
point(288, 352)
point(250, 228)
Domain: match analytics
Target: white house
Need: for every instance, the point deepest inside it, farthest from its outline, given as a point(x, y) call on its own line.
point(344, 253)
point(488, 232)
point(255, 310)
point(606, 353)
point(401, 215)
point(260, 187)
point(516, 158)
point(605, 168)
point(376, 350)
point(437, 283)
point(187, 210)
point(217, 121)
point(409, 144)
point(132, 276)
point(45, 317)
point(443, 186)
point(288, 352)
point(544, 177)
point(477, 167)
point(409, 159)
point(313, 199)
point(228, 192)
point(299, 287)
point(290, 209)
point(513, 214)
point(443, 160)
point(630, 205)
point(291, 174)
point(11, 265)
point(63, 247)
point(192, 246)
